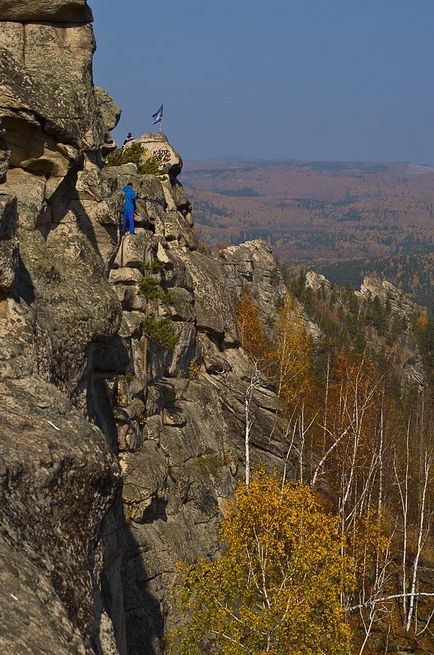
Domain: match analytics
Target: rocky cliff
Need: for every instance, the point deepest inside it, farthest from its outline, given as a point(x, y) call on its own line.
point(383, 319)
point(117, 447)
point(123, 382)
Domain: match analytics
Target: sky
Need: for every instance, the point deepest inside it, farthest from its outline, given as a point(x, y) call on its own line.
point(273, 79)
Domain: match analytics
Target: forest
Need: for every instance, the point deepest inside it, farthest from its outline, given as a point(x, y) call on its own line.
point(344, 219)
point(335, 552)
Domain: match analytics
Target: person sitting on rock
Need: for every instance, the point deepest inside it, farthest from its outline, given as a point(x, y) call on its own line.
point(129, 208)
point(129, 138)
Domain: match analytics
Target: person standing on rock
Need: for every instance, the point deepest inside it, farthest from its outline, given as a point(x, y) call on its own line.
point(129, 208)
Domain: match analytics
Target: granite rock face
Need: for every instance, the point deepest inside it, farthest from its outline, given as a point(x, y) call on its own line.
point(404, 355)
point(58, 474)
point(180, 421)
point(118, 446)
point(156, 143)
point(122, 379)
point(53, 11)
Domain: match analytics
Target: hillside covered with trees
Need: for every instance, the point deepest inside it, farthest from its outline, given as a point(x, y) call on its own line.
point(202, 451)
point(340, 560)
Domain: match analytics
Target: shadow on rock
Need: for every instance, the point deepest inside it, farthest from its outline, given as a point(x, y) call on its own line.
point(144, 619)
point(15, 280)
point(134, 612)
point(64, 200)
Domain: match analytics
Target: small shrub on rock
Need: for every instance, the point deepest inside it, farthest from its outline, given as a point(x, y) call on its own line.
point(134, 154)
point(150, 289)
point(161, 331)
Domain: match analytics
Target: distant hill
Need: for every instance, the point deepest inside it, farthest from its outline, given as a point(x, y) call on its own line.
point(332, 213)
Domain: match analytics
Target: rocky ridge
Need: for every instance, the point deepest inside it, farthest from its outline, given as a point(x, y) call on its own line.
point(391, 335)
point(406, 356)
point(116, 451)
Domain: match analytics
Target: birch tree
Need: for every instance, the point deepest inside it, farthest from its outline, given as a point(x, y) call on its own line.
point(276, 588)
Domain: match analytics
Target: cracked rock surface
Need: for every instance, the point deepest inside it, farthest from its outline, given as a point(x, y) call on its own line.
point(116, 452)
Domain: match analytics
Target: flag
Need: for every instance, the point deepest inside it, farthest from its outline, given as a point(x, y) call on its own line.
point(158, 116)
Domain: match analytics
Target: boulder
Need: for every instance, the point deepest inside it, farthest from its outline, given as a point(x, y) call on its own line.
point(47, 446)
point(28, 190)
point(59, 100)
point(401, 304)
point(185, 351)
point(145, 482)
point(316, 281)
point(110, 111)
point(151, 201)
point(28, 598)
point(125, 276)
point(182, 203)
point(214, 304)
point(35, 151)
point(52, 11)
point(75, 304)
point(132, 324)
point(215, 361)
point(181, 304)
point(133, 249)
point(156, 143)
point(251, 264)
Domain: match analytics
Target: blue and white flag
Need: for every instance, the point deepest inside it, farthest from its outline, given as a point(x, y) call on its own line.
point(158, 116)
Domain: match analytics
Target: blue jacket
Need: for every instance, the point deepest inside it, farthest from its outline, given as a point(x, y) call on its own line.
point(130, 196)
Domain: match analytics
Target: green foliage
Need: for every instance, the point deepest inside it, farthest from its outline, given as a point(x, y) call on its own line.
point(161, 330)
point(154, 266)
point(150, 289)
point(155, 165)
point(211, 463)
point(297, 284)
point(376, 315)
point(131, 153)
point(158, 329)
point(276, 588)
point(275, 276)
point(134, 153)
point(279, 302)
point(407, 272)
point(127, 377)
point(343, 317)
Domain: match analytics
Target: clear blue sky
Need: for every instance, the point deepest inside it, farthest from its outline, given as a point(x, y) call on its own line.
point(310, 79)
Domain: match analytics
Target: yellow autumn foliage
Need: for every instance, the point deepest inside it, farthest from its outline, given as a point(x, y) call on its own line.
point(285, 359)
point(291, 357)
point(276, 588)
point(251, 329)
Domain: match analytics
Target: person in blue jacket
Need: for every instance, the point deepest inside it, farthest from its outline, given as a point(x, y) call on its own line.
point(129, 208)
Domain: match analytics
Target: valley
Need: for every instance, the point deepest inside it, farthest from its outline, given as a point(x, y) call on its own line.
point(345, 219)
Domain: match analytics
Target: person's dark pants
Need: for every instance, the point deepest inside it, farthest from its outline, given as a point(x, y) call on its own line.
point(128, 217)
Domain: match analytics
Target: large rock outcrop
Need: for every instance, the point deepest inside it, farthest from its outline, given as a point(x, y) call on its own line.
point(179, 412)
point(58, 476)
point(122, 378)
point(403, 353)
point(53, 11)
point(116, 450)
